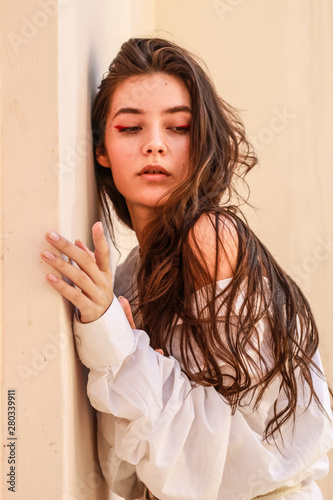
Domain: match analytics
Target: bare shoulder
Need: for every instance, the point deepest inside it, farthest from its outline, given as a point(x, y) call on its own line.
point(215, 241)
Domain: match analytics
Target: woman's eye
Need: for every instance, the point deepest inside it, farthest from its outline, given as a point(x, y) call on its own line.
point(181, 129)
point(129, 130)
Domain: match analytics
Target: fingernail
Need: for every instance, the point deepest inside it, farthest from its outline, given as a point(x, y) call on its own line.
point(51, 277)
point(52, 236)
point(48, 255)
point(100, 228)
point(120, 298)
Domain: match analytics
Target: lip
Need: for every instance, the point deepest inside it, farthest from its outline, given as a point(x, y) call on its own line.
point(160, 170)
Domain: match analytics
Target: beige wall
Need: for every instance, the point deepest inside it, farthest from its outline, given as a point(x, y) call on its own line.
point(271, 59)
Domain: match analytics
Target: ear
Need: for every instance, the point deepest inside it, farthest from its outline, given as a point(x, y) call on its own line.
point(101, 157)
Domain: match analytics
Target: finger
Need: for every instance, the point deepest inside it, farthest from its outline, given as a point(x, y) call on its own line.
point(78, 255)
point(79, 244)
point(160, 351)
point(75, 296)
point(88, 310)
point(102, 252)
point(74, 274)
point(94, 283)
point(127, 310)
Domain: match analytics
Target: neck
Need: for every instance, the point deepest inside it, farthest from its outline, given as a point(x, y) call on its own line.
point(140, 217)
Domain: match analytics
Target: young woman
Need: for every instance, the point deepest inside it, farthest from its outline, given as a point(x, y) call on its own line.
point(215, 389)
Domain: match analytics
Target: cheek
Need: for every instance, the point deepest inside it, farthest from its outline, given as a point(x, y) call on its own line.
point(184, 153)
point(120, 162)
point(119, 152)
point(120, 178)
point(185, 147)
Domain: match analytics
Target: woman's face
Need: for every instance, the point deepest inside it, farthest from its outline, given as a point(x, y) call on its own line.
point(147, 139)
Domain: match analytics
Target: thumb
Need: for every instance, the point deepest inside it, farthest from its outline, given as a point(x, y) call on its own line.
point(102, 251)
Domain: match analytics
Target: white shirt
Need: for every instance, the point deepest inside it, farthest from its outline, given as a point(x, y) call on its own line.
point(156, 428)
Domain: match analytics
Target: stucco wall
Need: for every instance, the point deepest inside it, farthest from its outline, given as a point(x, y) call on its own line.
point(273, 60)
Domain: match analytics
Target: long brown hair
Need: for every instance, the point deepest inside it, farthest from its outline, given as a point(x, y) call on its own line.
point(170, 255)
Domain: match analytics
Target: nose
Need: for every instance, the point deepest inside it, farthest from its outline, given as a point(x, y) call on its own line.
point(155, 142)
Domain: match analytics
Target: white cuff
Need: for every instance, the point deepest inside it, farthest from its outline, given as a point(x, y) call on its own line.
point(105, 342)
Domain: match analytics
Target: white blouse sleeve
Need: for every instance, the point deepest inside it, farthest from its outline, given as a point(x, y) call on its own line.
point(179, 439)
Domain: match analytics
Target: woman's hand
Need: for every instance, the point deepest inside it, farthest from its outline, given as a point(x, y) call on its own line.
point(127, 310)
point(128, 313)
point(93, 290)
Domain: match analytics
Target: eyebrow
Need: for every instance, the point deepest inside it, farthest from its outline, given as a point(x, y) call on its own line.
point(137, 111)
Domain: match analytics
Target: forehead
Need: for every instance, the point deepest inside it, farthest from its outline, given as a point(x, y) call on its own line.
point(150, 92)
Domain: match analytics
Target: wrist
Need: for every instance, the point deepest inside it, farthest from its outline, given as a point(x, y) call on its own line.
point(93, 315)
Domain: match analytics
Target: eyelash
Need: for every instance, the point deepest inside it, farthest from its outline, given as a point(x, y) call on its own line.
point(132, 130)
point(182, 130)
point(129, 130)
